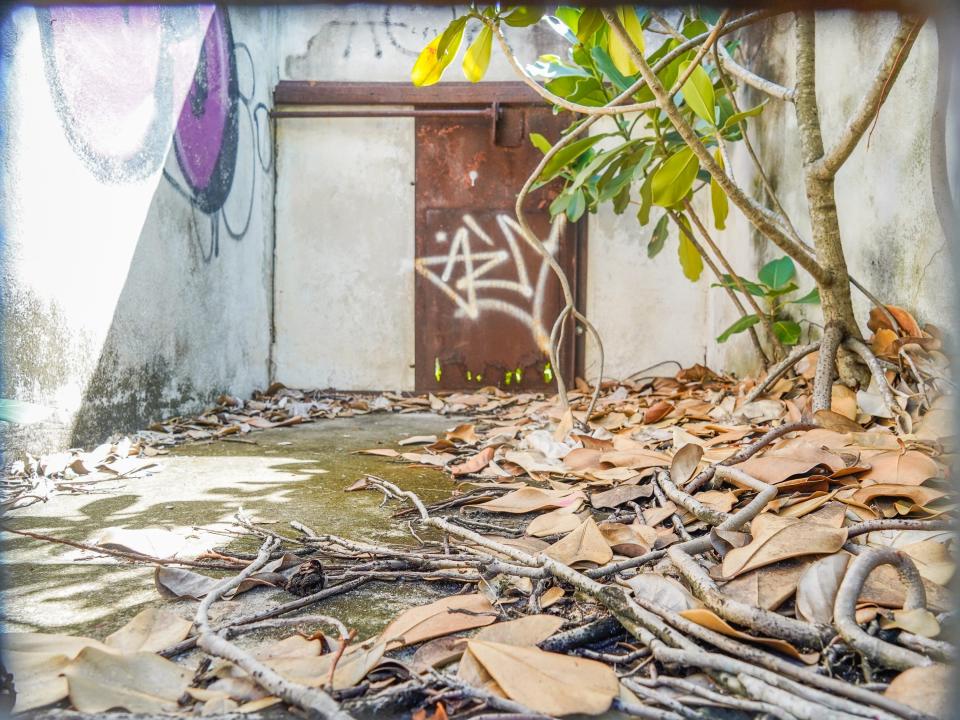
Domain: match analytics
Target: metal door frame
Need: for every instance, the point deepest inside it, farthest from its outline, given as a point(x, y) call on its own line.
point(451, 99)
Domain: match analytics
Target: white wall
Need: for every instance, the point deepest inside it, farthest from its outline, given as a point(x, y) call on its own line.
point(345, 244)
point(127, 299)
point(892, 236)
point(119, 306)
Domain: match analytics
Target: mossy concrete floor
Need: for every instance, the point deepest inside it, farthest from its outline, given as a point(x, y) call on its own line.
point(295, 473)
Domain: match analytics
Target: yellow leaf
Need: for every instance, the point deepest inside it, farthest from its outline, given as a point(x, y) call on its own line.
point(477, 58)
point(427, 70)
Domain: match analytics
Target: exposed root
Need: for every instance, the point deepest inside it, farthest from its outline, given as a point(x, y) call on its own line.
point(316, 703)
point(761, 621)
point(826, 368)
point(844, 609)
point(780, 369)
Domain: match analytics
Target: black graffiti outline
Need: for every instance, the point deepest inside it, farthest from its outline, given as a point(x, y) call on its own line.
point(152, 152)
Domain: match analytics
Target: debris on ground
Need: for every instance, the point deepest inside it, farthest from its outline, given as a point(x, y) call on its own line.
point(695, 543)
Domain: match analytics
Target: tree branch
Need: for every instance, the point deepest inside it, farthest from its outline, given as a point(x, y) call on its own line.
point(767, 222)
point(870, 104)
point(769, 87)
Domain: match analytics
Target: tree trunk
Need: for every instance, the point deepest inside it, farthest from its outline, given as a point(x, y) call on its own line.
point(834, 285)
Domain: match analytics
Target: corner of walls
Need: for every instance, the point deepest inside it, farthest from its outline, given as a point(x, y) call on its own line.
point(137, 242)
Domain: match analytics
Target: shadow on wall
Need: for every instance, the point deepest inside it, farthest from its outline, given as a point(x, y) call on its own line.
point(158, 356)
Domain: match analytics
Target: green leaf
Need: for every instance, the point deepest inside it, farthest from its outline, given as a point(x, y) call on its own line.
point(777, 273)
point(567, 155)
point(606, 65)
point(659, 237)
point(718, 199)
point(737, 117)
point(569, 16)
point(578, 203)
point(690, 258)
point(811, 298)
point(698, 94)
point(694, 28)
point(785, 290)
point(583, 90)
point(560, 203)
point(787, 332)
point(750, 287)
point(477, 58)
point(601, 160)
point(540, 142)
point(524, 16)
point(674, 178)
point(622, 199)
point(620, 53)
point(744, 323)
point(451, 38)
point(590, 21)
point(646, 200)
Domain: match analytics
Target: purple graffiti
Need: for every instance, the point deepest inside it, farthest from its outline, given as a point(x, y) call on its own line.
point(205, 140)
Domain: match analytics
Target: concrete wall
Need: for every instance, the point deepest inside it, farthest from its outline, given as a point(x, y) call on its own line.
point(136, 266)
point(139, 243)
point(893, 236)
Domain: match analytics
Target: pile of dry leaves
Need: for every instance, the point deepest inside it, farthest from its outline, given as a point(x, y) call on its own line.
point(692, 544)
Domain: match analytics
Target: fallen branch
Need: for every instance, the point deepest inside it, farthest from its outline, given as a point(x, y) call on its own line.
point(315, 702)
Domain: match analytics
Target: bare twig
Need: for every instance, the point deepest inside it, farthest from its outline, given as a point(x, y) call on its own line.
point(315, 702)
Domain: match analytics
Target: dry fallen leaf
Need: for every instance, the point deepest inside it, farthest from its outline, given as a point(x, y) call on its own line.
point(631, 540)
point(776, 538)
point(918, 621)
point(663, 591)
point(151, 630)
point(139, 682)
point(530, 499)
point(896, 468)
point(619, 495)
point(475, 463)
point(927, 689)
point(769, 586)
point(174, 583)
point(548, 683)
point(818, 588)
point(585, 544)
point(38, 678)
point(522, 632)
point(555, 522)
point(314, 671)
point(442, 617)
point(685, 463)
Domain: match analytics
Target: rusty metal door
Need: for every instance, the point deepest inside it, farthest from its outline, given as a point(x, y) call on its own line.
point(485, 300)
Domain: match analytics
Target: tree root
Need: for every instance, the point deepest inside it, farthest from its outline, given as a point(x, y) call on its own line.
point(765, 622)
point(901, 418)
point(845, 606)
point(780, 369)
point(315, 702)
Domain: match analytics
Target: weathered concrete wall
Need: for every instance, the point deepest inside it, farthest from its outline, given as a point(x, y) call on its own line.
point(331, 220)
point(138, 228)
point(892, 234)
point(137, 247)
